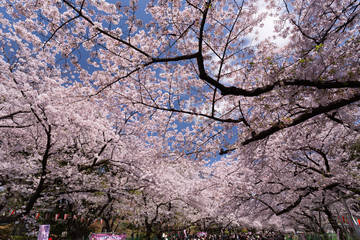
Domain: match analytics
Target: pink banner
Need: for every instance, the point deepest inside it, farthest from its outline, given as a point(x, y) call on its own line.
point(107, 236)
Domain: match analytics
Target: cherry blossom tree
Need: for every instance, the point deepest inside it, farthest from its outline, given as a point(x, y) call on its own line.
point(55, 142)
point(161, 200)
point(195, 80)
point(294, 180)
point(228, 78)
point(46, 144)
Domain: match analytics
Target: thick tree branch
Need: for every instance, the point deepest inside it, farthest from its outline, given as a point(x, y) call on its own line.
point(228, 120)
point(11, 115)
point(303, 117)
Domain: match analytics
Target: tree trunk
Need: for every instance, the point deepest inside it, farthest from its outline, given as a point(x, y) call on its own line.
point(148, 231)
point(333, 223)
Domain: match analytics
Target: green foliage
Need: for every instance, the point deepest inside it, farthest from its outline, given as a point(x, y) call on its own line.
point(318, 48)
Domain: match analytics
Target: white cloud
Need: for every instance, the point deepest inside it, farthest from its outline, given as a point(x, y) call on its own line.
point(266, 30)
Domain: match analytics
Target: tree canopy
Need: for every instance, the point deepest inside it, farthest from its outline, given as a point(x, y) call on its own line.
point(180, 110)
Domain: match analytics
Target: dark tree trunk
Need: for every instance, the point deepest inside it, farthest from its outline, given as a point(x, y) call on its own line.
point(148, 231)
point(333, 223)
point(108, 226)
